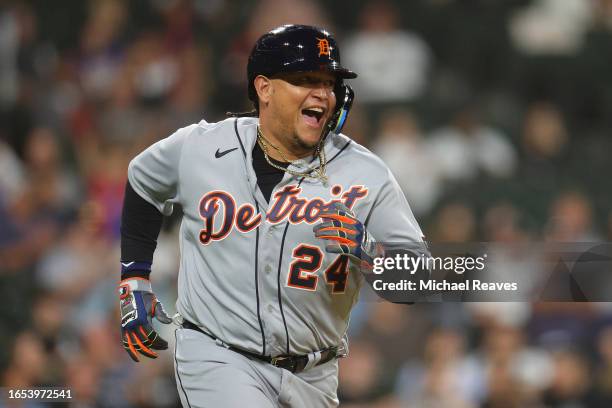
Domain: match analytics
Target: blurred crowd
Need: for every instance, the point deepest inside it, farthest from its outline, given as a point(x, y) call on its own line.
point(493, 116)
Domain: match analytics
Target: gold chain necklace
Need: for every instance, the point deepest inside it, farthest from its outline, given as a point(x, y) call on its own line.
point(319, 171)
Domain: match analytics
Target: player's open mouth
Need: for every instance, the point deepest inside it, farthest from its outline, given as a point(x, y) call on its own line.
point(312, 116)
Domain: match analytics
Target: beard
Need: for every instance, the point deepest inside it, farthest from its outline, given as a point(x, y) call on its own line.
point(305, 145)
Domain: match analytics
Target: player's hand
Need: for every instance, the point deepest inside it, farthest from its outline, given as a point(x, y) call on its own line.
point(138, 307)
point(347, 235)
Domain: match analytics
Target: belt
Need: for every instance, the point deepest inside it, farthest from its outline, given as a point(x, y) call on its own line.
point(293, 363)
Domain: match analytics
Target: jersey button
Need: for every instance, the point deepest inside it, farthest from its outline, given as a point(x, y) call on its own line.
point(273, 228)
point(268, 268)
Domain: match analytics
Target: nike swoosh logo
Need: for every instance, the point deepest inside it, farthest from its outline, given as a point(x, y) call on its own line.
point(127, 264)
point(219, 154)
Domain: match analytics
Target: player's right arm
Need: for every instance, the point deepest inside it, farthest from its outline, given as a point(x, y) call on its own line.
point(151, 189)
point(154, 173)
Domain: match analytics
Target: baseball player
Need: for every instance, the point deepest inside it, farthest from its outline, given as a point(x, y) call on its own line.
point(280, 213)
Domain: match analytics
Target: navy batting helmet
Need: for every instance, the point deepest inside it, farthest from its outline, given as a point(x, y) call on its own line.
point(300, 48)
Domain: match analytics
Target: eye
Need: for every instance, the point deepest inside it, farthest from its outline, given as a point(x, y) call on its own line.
point(311, 80)
point(302, 80)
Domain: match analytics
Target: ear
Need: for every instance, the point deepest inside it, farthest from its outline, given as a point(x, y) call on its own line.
point(263, 87)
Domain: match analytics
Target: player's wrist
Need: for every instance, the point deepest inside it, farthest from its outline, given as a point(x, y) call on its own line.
point(136, 284)
point(372, 247)
point(135, 269)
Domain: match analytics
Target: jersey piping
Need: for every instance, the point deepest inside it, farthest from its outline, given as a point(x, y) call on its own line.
point(280, 257)
point(261, 329)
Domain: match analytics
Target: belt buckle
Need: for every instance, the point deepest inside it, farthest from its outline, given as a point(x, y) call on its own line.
point(286, 362)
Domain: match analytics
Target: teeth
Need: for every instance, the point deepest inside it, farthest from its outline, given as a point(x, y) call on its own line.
point(316, 112)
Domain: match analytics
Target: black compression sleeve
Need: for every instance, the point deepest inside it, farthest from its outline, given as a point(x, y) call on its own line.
point(140, 226)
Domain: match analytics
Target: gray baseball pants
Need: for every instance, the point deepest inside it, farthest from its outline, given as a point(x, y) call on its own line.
point(209, 375)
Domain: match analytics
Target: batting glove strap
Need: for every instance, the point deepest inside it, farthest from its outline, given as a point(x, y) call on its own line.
point(370, 249)
point(134, 284)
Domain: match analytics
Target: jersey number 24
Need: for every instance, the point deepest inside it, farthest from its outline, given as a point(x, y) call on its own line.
point(307, 262)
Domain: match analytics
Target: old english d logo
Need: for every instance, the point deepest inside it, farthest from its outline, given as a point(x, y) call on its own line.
point(323, 45)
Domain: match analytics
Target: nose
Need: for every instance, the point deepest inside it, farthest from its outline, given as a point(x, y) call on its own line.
point(321, 91)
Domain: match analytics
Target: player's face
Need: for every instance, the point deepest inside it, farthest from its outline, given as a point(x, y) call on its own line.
point(303, 104)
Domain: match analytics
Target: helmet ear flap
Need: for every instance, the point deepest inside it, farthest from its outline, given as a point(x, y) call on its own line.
point(344, 102)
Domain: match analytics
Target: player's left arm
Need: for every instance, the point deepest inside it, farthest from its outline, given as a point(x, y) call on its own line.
point(389, 227)
point(391, 219)
point(346, 235)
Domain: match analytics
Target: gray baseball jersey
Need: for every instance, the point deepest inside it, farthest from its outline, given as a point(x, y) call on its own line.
point(251, 272)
